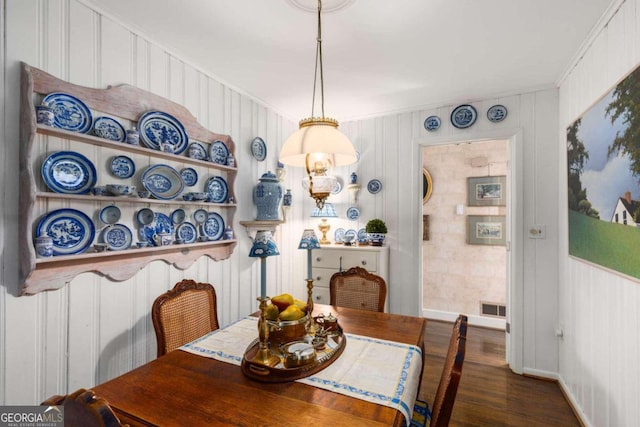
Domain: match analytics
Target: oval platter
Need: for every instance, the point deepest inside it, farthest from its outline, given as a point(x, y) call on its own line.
point(156, 127)
point(163, 182)
point(70, 113)
point(71, 230)
point(68, 173)
point(108, 128)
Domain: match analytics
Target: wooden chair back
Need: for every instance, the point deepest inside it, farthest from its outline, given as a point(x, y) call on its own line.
point(184, 313)
point(83, 409)
point(451, 373)
point(357, 288)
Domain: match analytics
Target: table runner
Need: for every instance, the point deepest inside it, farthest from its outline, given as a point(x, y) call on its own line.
point(378, 371)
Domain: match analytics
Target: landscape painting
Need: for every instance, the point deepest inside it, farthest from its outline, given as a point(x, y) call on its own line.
point(603, 169)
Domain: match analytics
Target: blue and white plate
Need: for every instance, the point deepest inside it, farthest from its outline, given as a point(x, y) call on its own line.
point(145, 216)
point(187, 232)
point(362, 235)
point(259, 149)
point(338, 188)
point(374, 186)
point(122, 167)
point(200, 215)
point(161, 224)
point(351, 235)
point(497, 113)
point(71, 230)
point(218, 152)
point(189, 176)
point(110, 214)
point(217, 189)
point(338, 235)
point(70, 113)
point(108, 128)
point(117, 237)
point(432, 123)
point(353, 213)
point(178, 216)
point(213, 227)
point(156, 127)
point(163, 182)
point(463, 116)
point(197, 151)
point(68, 172)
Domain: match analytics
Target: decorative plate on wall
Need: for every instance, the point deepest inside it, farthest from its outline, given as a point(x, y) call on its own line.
point(463, 116)
point(69, 173)
point(497, 113)
point(71, 230)
point(117, 236)
point(189, 176)
point(218, 152)
point(108, 128)
point(374, 186)
point(432, 123)
point(259, 149)
point(122, 167)
point(157, 127)
point(353, 213)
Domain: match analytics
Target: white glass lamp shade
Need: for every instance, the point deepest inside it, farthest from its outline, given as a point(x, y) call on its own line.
point(321, 140)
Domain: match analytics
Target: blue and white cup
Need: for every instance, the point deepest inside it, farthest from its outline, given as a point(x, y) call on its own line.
point(44, 115)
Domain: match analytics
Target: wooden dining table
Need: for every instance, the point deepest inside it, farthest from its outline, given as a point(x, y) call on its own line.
point(185, 389)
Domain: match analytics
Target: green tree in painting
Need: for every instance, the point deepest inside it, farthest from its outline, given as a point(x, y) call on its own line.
point(576, 157)
point(626, 106)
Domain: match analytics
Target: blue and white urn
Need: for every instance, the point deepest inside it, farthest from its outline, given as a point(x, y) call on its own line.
point(267, 196)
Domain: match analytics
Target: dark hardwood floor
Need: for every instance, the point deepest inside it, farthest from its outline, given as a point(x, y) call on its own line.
point(490, 394)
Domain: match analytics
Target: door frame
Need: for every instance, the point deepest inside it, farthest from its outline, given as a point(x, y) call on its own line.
point(515, 235)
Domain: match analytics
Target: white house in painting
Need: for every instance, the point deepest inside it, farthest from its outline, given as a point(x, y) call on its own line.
point(625, 210)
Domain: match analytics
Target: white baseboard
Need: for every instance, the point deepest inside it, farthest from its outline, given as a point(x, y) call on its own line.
point(540, 374)
point(447, 316)
point(575, 406)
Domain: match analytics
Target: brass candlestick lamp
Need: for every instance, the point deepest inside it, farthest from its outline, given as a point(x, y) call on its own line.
point(264, 246)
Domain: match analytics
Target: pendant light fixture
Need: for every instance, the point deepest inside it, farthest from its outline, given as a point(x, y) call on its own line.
point(318, 145)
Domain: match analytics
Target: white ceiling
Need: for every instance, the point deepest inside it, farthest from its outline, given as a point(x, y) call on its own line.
point(379, 55)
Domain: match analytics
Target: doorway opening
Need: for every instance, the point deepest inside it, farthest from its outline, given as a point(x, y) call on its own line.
point(465, 258)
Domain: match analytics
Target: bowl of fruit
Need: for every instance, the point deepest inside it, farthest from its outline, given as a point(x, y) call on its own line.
point(288, 319)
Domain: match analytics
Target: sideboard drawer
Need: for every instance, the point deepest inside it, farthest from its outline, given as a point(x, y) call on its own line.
point(346, 259)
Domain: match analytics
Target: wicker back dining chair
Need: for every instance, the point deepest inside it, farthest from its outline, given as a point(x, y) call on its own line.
point(184, 313)
point(83, 409)
point(451, 372)
point(357, 288)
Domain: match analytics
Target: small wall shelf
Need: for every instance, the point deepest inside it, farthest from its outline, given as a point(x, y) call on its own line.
point(254, 226)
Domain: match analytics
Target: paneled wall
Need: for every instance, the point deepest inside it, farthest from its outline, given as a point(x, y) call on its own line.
point(599, 311)
point(94, 329)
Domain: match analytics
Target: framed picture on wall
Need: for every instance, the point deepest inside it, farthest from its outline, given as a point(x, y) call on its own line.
point(486, 230)
point(487, 191)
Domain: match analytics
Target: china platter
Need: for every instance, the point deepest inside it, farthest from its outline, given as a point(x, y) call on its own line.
point(432, 123)
point(71, 230)
point(122, 167)
point(497, 113)
point(108, 128)
point(217, 189)
point(197, 151)
point(68, 172)
point(259, 149)
point(161, 224)
point(338, 235)
point(187, 232)
point(463, 116)
point(69, 112)
point(213, 226)
point(117, 237)
point(362, 235)
point(189, 176)
point(353, 213)
point(218, 152)
point(163, 182)
point(351, 235)
point(156, 127)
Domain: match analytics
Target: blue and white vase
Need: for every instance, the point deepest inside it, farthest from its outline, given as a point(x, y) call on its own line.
point(353, 178)
point(288, 198)
point(44, 246)
point(267, 196)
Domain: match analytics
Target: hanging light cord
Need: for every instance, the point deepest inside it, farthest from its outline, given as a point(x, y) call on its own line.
point(318, 62)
